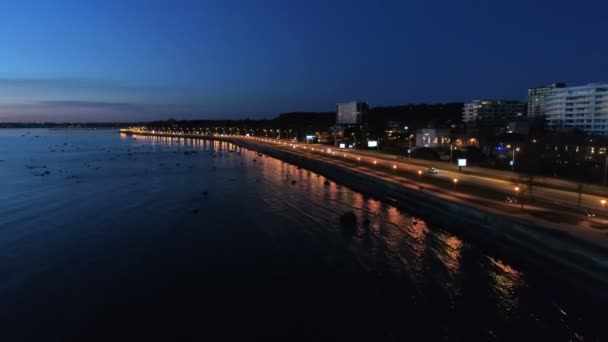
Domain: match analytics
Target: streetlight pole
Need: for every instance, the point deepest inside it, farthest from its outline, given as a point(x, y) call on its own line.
point(520, 191)
point(605, 169)
point(451, 152)
point(513, 161)
point(515, 149)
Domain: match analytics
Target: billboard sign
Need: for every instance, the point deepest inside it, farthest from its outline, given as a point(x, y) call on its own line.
point(462, 162)
point(372, 143)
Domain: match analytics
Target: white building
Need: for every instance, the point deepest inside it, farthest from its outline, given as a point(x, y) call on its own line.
point(493, 111)
point(582, 107)
point(537, 99)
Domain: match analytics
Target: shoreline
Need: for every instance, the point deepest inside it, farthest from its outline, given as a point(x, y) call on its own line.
point(579, 263)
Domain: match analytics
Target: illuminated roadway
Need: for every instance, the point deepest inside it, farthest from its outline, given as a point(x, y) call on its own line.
point(551, 191)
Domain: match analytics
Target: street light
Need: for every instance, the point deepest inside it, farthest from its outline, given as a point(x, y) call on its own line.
point(603, 203)
point(419, 173)
point(515, 149)
point(521, 195)
point(451, 152)
point(455, 180)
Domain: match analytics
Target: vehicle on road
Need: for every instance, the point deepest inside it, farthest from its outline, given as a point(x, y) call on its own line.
point(432, 171)
point(589, 213)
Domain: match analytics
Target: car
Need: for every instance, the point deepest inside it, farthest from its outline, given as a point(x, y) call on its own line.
point(432, 171)
point(589, 213)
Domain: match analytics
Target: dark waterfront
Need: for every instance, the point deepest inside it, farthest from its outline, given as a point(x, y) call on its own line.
point(106, 237)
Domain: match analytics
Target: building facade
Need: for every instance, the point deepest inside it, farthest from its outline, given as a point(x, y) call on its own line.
point(583, 107)
point(431, 138)
point(351, 113)
point(537, 99)
point(499, 111)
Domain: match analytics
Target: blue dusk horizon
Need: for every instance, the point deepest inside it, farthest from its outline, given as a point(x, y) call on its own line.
point(102, 61)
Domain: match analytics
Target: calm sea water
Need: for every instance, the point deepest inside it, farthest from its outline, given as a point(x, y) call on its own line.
point(105, 237)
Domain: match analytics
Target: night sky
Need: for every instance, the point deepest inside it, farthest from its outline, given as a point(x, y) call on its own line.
point(125, 60)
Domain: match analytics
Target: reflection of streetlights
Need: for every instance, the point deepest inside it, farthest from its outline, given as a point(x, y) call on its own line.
point(603, 203)
point(419, 173)
point(455, 181)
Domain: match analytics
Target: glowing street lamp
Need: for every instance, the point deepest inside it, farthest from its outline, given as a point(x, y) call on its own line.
point(419, 172)
point(515, 149)
point(521, 195)
point(603, 203)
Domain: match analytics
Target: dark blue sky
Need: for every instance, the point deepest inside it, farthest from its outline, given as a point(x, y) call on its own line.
point(136, 60)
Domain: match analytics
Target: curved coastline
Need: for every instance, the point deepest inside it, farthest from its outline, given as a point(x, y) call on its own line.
point(526, 242)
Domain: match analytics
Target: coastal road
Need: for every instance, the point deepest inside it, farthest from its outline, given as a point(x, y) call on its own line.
point(550, 191)
point(557, 207)
point(572, 221)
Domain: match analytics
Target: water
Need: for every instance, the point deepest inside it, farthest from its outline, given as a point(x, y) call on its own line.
point(133, 239)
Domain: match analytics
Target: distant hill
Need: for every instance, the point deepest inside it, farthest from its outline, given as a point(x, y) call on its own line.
point(306, 118)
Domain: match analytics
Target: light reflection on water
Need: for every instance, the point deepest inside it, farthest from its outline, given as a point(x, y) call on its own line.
point(506, 283)
point(415, 271)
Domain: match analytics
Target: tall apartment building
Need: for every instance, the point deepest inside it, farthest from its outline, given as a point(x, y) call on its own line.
point(494, 111)
point(537, 98)
point(582, 107)
point(351, 113)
